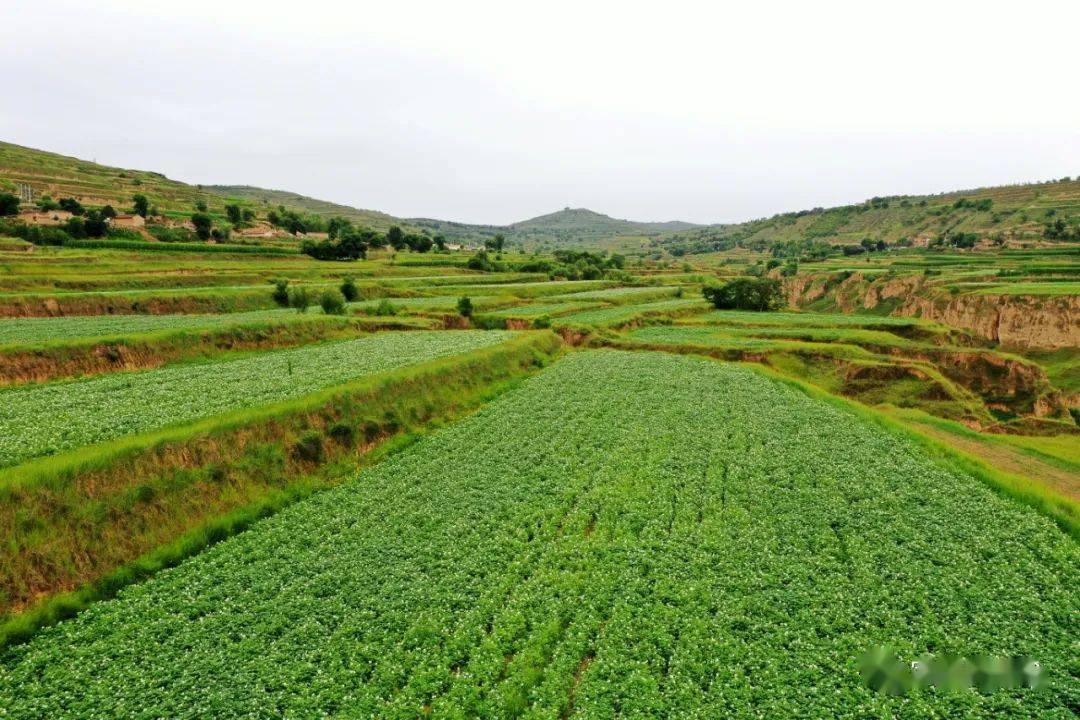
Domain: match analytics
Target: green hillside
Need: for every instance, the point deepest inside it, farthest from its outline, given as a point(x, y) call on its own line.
point(92, 184)
point(578, 227)
point(312, 206)
point(1010, 214)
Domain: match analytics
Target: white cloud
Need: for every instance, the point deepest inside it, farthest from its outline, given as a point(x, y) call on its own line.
point(495, 111)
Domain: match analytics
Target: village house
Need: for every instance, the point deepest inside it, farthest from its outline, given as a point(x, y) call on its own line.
point(131, 222)
point(34, 216)
point(257, 232)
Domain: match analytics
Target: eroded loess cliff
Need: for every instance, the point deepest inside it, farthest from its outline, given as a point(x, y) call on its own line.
point(1012, 321)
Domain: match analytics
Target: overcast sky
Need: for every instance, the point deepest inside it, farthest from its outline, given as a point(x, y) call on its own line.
point(499, 111)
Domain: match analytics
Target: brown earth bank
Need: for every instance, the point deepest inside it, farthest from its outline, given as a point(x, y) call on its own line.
point(1016, 321)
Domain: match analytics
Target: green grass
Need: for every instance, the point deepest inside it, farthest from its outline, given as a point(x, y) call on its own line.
point(803, 319)
point(666, 536)
point(1032, 288)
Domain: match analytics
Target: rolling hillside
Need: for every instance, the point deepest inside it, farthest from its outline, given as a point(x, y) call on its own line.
point(1013, 213)
point(93, 184)
point(577, 227)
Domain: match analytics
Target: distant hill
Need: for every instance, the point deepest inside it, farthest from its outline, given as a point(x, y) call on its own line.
point(1014, 213)
point(1030, 212)
point(569, 227)
point(92, 184)
point(590, 222)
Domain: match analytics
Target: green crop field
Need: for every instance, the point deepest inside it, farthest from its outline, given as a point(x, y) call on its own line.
point(622, 294)
point(39, 330)
point(51, 418)
point(602, 317)
point(665, 537)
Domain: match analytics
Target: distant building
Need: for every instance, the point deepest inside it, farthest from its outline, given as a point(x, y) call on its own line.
point(131, 222)
point(256, 232)
point(34, 216)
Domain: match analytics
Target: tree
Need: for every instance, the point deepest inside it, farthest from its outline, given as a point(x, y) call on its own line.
point(395, 238)
point(418, 243)
point(203, 224)
point(46, 203)
point(337, 225)
point(281, 292)
point(9, 204)
point(94, 225)
point(72, 205)
point(349, 289)
point(496, 243)
point(200, 206)
point(235, 215)
point(332, 302)
point(464, 307)
point(299, 299)
point(440, 242)
point(351, 244)
point(108, 212)
point(745, 294)
point(142, 204)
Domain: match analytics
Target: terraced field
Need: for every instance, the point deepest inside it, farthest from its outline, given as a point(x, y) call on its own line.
point(51, 329)
point(45, 419)
point(665, 537)
point(608, 316)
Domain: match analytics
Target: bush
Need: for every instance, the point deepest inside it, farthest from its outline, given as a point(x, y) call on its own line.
point(281, 292)
point(310, 448)
point(203, 224)
point(9, 204)
point(164, 233)
point(332, 302)
point(745, 294)
point(299, 299)
point(349, 290)
point(385, 308)
point(342, 434)
point(465, 308)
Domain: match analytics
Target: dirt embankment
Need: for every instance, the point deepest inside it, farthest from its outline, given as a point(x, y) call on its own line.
point(1018, 321)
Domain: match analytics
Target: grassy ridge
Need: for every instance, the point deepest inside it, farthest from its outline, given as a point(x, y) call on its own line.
point(112, 516)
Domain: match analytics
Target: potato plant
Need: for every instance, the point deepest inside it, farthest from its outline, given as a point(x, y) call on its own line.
point(38, 420)
point(624, 535)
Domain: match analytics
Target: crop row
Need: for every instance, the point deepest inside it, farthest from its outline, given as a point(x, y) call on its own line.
point(38, 420)
point(45, 329)
point(602, 317)
point(627, 534)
